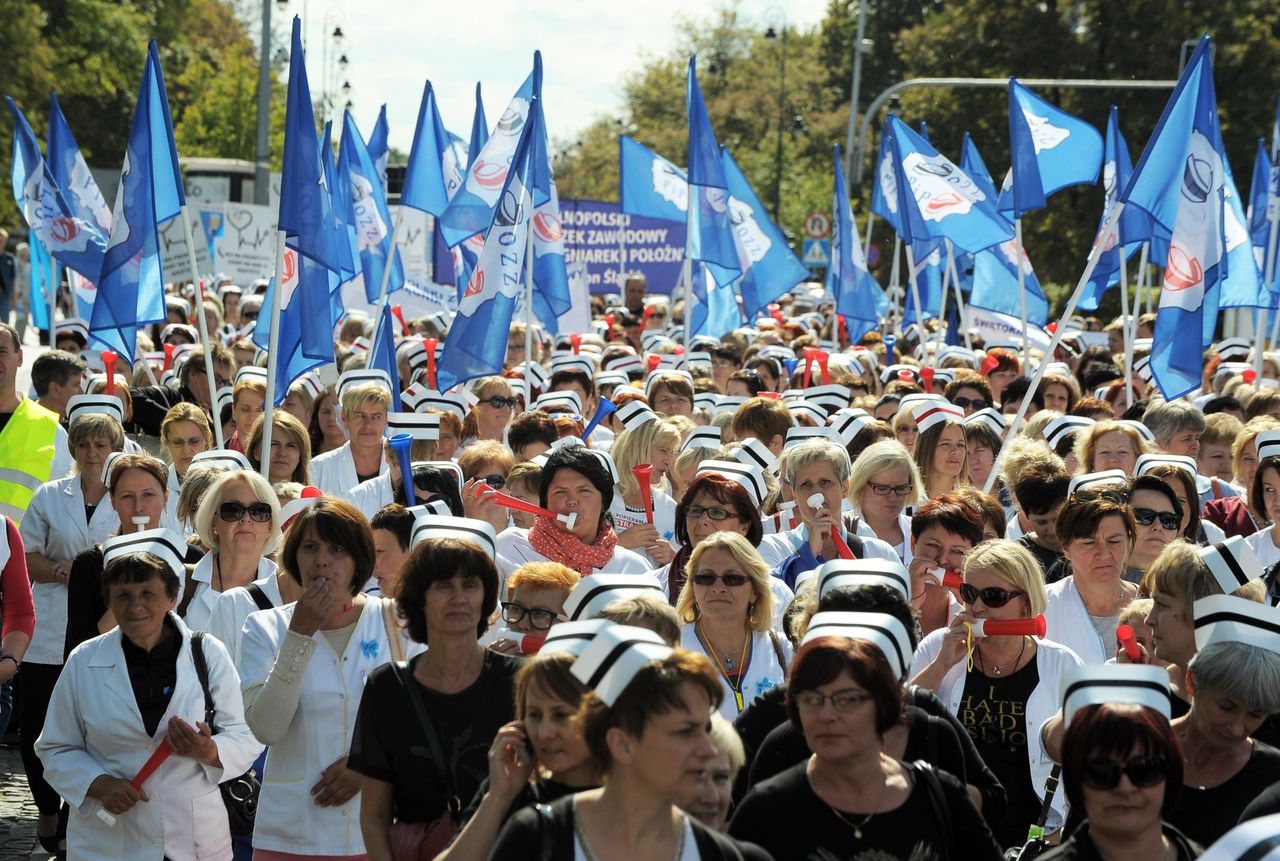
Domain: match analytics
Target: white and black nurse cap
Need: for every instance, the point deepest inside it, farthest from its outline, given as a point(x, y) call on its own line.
point(749, 475)
point(165, 544)
point(613, 658)
point(456, 403)
point(1065, 426)
point(1228, 619)
point(990, 417)
point(1095, 684)
point(703, 437)
point(1268, 444)
point(752, 452)
point(1232, 563)
point(1097, 480)
point(594, 592)
point(432, 527)
point(564, 400)
point(420, 426)
point(884, 631)
point(862, 572)
point(224, 457)
point(362, 376)
point(572, 638)
point(1148, 462)
point(635, 415)
point(84, 405)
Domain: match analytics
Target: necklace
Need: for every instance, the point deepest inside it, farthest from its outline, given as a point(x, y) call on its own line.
point(858, 826)
point(995, 669)
point(727, 665)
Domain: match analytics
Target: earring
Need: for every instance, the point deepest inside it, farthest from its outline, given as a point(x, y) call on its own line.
point(751, 609)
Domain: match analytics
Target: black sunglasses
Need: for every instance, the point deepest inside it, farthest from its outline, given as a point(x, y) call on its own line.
point(539, 618)
point(497, 481)
point(1143, 771)
point(1148, 516)
point(992, 596)
point(730, 580)
point(231, 512)
point(965, 403)
point(1111, 494)
point(498, 402)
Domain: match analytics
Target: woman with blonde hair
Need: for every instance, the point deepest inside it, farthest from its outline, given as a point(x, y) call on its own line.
point(904, 429)
point(654, 442)
point(488, 419)
point(884, 483)
point(290, 448)
point(1110, 445)
point(726, 608)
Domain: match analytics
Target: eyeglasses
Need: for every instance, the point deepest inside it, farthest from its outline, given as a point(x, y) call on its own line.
point(498, 402)
point(539, 618)
point(889, 489)
point(695, 512)
point(992, 596)
point(1111, 494)
point(231, 512)
point(496, 481)
point(965, 403)
point(1147, 516)
point(730, 580)
point(1143, 771)
point(842, 701)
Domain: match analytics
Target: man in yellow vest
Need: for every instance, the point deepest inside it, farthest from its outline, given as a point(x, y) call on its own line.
point(30, 436)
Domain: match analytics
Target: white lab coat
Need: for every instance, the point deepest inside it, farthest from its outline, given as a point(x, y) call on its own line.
point(369, 496)
point(232, 607)
point(1052, 661)
point(334, 472)
point(904, 523)
point(320, 733)
point(200, 609)
point(778, 548)
point(1067, 619)
point(54, 526)
point(764, 669)
point(94, 728)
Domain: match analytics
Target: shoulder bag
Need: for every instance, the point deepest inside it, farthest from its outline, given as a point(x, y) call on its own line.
point(423, 841)
point(239, 794)
point(1036, 844)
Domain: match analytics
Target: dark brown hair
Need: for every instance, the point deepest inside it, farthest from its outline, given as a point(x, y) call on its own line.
point(337, 522)
point(138, 568)
point(727, 492)
point(1114, 730)
point(823, 659)
point(443, 559)
point(1080, 518)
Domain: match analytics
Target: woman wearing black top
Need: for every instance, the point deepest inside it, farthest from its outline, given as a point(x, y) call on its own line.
point(850, 799)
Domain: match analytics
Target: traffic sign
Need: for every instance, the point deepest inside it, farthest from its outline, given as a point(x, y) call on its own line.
point(817, 253)
point(873, 256)
point(817, 225)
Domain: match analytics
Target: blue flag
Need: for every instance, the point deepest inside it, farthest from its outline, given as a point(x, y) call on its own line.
point(383, 355)
point(851, 284)
point(434, 173)
point(378, 147)
point(1242, 284)
point(1262, 204)
point(369, 213)
point(131, 284)
point(479, 130)
point(650, 185)
point(42, 268)
point(1134, 228)
point(715, 306)
point(936, 199)
point(769, 266)
point(551, 296)
point(884, 185)
point(929, 276)
point(75, 241)
point(71, 173)
point(1181, 182)
point(709, 237)
point(1050, 150)
point(972, 163)
point(995, 283)
point(477, 342)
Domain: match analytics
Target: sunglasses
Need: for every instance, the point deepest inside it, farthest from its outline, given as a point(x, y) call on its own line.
point(729, 580)
point(965, 403)
point(498, 402)
point(538, 618)
point(694, 512)
point(1142, 771)
point(496, 481)
point(231, 512)
point(1147, 516)
point(992, 596)
point(1110, 494)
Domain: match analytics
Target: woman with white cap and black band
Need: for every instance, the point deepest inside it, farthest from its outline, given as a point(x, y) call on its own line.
point(647, 722)
point(1264, 498)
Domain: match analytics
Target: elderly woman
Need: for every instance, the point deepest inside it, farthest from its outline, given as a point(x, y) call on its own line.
point(711, 807)
point(1158, 517)
point(646, 724)
point(414, 778)
point(1110, 445)
point(488, 419)
point(127, 691)
point(883, 483)
point(290, 448)
point(850, 798)
point(302, 667)
point(940, 452)
point(1006, 687)
point(364, 414)
point(726, 609)
point(1122, 768)
point(246, 406)
point(65, 516)
point(1097, 532)
point(574, 480)
point(652, 442)
point(239, 521)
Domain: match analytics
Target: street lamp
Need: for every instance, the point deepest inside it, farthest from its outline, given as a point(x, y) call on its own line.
point(777, 29)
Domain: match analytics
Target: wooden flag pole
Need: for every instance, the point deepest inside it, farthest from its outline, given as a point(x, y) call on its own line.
point(210, 380)
point(273, 356)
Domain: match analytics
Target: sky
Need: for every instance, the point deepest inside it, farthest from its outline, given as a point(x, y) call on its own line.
point(588, 48)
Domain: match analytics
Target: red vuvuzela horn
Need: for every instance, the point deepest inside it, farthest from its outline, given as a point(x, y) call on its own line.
point(430, 345)
point(1129, 640)
point(644, 475)
point(109, 359)
point(1009, 627)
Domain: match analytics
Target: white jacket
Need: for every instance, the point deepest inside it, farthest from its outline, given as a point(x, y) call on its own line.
point(1068, 623)
point(94, 728)
point(764, 669)
point(334, 472)
point(200, 609)
point(232, 607)
point(320, 733)
point(54, 526)
point(369, 496)
point(1052, 661)
point(777, 548)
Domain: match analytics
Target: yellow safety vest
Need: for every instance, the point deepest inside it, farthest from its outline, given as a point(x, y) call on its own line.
point(27, 449)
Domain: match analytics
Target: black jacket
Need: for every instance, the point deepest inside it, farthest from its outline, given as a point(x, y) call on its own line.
point(1080, 846)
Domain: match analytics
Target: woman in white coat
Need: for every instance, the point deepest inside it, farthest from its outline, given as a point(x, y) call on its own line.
point(120, 696)
point(1010, 686)
point(303, 668)
point(66, 516)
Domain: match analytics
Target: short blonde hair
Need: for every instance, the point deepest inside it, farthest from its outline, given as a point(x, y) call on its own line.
point(725, 739)
point(1181, 573)
point(1248, 436)
point(748, 558)
point(1088, 438)
point(1014, 564)
point(632, 448)
point(364, 393)
point(878, 457)
point(212, 499)
point(543, 575)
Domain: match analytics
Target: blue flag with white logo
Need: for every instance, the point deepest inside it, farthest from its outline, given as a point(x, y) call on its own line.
point(1134, 227)
point(131, 285)
point(972, 163)
point(43, 268)
point(477, 342)
point(929, 276)
point(1242, 284)
point(479, 130)
point(769, 266)
point(551, 296)
point(650, 185)
point(715, 306)
point(1181, 182)
point(1261, 210)
point(936, 199)
point(71, 173)
point(433, 174)
point(1050, 150)
point(884, 185)
point(369, 213)
point(709, 237)
point(854, 289)
point(995, 283)
point(378, 146)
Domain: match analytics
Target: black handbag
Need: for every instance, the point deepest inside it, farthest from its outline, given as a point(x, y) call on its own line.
point(239, 794)
point(1036, 844)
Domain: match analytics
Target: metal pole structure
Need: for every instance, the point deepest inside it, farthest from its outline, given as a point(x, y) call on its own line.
point(854, 91)
point(915, 293)
point(782, 114)
point(866, 246)
point(941, 338)
point(873, 109)
point(1094, 255)
point(262, 153)
point(53, 300)
point(1124, 326)
point(1143, 283)
point(960, 306)
point(1022, 296)
point(273, 354)
point(386, 270)
point(211, 380)
point(895, 275)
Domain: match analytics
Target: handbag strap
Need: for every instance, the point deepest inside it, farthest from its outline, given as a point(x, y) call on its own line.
point(1050, 788)
point(202, 673)
point(443, 765)
point(259, 597)
point(777, 651)
point(938, 802)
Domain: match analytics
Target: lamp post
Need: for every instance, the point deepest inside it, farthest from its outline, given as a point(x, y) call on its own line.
point(777, 29)
point(262, 147)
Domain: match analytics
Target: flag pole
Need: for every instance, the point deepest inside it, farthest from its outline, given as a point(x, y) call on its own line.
point(866, 246)
point(915, 293)
point(1124, 327)
point(1022, 297)
point(386, 273)
point(1095, 254)
point(622, 255)
point(211, 380)
point(53, 298)
point(942, 319)
point(273, 359)
point(528, 319)
point(955, 284)
point(895, 274)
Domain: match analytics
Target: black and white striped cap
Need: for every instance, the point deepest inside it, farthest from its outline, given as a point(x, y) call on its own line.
point(84, 405)
point(860, 572)
point(750, 476)
point(611, 378)
point(666, 372)
point(1252, 840)
point(990, 417)
point(1232, 563)
point(891, 373)
point(225, 397)
point(1096, 480)
point(1228, 619)
point(361, 377)
point(572, 638)
point(635, 415)
point(885, 632)
point(705, 401)
point(1233, 349)
point(592, 593)
point(613, 658)
point(420, 426)
point(573, 362)
point(847, 424)
point(625, 363)
point(800, 434)
point(1064, 426)
point(457, 402)
point(708, 436)
point(755, 453)
point(1142, 429)
point(447, 466)
point(251, 372)
point(433, 527)
point(728, 404)
point(1268, 444)
point(224, 457)
point(1095, 684)
point(1148, 462)
point(830, 397)
point(164, 544)
point(534, 373)
point(565, 400)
